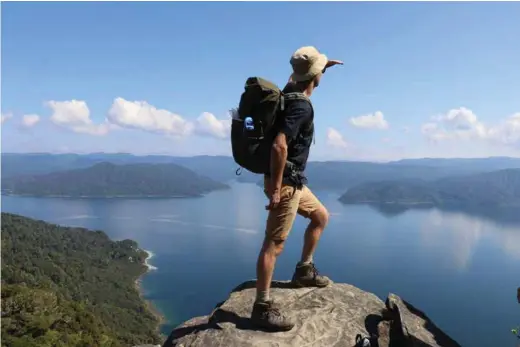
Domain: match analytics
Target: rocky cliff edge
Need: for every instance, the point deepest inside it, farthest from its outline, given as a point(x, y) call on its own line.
point(325, 317)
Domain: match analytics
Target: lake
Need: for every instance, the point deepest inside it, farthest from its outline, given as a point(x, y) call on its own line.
point(461, 269)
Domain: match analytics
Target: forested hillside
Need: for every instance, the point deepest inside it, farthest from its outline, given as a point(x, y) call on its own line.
point(495, 189)
point(111, 180)
point(70, 287)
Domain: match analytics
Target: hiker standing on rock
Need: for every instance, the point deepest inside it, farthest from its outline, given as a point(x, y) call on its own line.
point(285, 186)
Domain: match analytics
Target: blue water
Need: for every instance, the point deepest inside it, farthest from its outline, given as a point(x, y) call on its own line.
point(461, 269)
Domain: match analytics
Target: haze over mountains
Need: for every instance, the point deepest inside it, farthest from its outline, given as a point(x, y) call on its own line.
point(329, 175)
point(111, 180)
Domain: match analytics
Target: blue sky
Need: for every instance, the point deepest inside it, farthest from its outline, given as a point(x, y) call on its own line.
point(419, 80)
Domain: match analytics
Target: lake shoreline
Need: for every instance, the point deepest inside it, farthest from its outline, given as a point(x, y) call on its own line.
point(432, 257)
point(160, 318)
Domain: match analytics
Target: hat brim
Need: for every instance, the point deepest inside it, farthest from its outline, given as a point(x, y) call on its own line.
point(314, 70)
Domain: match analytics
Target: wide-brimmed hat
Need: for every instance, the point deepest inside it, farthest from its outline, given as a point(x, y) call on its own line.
point(307, 62)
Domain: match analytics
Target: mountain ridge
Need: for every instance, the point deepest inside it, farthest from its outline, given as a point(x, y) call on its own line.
point(112, 180)
point(496, 188)
point(324, 175)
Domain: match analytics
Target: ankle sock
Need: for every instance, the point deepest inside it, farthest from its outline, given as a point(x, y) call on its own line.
point(306, 261)
point(262, 295)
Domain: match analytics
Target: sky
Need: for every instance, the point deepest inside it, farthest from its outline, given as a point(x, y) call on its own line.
point(418, 80)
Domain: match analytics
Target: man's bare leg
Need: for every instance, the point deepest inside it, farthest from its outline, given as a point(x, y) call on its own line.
point(264, 314)
point(306, 274)
point(265, 267)
point(278, 225)
point(318, 221)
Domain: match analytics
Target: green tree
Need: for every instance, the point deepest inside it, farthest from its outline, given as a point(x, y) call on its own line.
point(71, 287)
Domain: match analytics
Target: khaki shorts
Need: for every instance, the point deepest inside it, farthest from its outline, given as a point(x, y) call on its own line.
point(293, 201)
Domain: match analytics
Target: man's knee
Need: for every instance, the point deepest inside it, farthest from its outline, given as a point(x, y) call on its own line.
point(320, 217)
point(274, 247)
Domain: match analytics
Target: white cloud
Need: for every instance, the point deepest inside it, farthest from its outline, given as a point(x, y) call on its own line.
point(208, 124)
point(370, 121)
point(75, 115)
point(508, 131)
point(463, 124)
point(30, 120)
point(143, 116)
point(6, 117)
point(335, 139)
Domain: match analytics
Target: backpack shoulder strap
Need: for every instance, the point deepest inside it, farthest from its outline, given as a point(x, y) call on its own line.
point(295, 96)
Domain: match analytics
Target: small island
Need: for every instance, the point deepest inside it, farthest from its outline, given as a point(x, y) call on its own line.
point(107, 180)
point(496, 189)
point(71, 287)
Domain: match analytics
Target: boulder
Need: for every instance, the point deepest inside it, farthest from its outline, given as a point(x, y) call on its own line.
point(325, 317)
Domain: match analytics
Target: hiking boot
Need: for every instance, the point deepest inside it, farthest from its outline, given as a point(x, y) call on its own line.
point(306, 275)
point(265, 315)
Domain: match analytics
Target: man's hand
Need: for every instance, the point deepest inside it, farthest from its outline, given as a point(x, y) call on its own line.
point(331, 63)
point(274, 199)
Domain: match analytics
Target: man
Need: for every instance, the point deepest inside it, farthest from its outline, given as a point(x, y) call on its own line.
point(288, 195)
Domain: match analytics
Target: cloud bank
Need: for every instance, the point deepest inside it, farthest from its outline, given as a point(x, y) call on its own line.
point(458, 132)
point(463, 124)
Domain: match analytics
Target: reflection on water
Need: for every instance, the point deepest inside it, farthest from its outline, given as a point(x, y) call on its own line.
point(460, 234)
point(501, 215)
point(457, 266)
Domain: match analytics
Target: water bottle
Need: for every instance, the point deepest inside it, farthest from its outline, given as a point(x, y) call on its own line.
point(249, 124)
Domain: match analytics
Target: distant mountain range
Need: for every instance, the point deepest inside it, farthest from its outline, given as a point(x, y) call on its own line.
point(326, 175)
point(111, 180)
point(495, 189)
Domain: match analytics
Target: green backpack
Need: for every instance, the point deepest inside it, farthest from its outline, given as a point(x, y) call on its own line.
point(252, 135)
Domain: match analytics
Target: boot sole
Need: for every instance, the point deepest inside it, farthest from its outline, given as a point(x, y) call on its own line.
point(298, 284)
point(272, 329)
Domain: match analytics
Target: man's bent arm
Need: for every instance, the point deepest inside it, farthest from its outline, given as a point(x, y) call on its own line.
point(278, 160)
point(296, 114)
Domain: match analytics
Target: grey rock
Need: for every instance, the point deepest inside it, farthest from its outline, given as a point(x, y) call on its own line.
point(325, 317)
point(413, 327)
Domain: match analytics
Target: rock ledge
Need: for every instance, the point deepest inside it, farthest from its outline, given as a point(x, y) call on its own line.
point(325, 317)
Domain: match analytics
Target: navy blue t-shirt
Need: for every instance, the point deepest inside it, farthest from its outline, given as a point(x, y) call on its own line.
point(297, 123)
